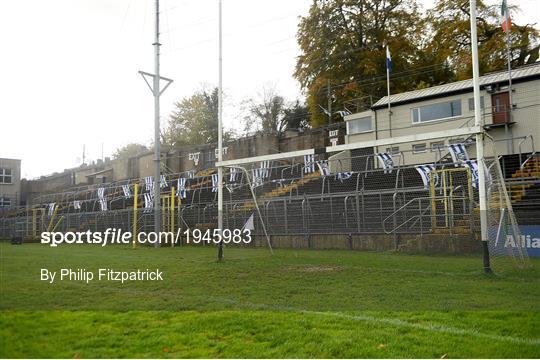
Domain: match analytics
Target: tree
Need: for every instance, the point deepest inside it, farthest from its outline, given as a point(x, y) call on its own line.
point(342, 44)
point(270, 113)
point(296, 116)
point(194, 120)
point(129, 150)
point(454, 46)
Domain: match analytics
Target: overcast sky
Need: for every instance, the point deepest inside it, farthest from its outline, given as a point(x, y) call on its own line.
point(70, 68)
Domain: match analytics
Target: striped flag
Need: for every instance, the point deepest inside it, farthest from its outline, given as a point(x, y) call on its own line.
point(505, 15)
point(458, 153)
point(214, 182)
point(386, 161)
point(181, 188)
point(425, 171)
point(324, 167)
point(388, 59)
point(126, 190)
point(309, 164)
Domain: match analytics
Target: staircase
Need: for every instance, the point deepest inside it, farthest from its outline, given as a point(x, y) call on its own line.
point(280, 191)
point(530, 170)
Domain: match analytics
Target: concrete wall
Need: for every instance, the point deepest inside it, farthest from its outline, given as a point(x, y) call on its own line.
point(413, 244)
point(175, 160)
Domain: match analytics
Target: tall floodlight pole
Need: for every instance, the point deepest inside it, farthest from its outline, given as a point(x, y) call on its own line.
point(479, 140)
point(157, 142)
point(156, 92)
point(220, 133)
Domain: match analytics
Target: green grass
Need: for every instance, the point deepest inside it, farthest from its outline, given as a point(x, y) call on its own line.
point(293, 304)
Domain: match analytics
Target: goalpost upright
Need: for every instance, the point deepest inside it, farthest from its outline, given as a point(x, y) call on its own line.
point(479, 140)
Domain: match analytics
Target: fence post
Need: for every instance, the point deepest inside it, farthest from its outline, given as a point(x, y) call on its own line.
point(172, 214)
point(135, 204)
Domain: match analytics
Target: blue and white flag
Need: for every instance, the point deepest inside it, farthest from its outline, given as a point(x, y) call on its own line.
point(149, 184)
point(425, 171)
point(162, 181)
point(51, 208)
point(344, 176)
point(309, 164)
point(77, 204)
point(126, 190)
point(214, 182)
point(323, 167)
point(101, 193)
point(257, 178)
point(473, 166)
point(103, 204)
point(343, 113)
point(191, 174)
point(181, 189)
point(386, 161)
point(388, 59)
point(458, 153)
point(148, 202)
point(265, 169)
point(233, 173)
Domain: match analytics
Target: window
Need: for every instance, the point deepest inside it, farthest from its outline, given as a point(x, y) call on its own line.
point(437, 145)
point(5, 176)
point(438, 111)
point(5, 202)
point(471, 103)
point(456, 141)
point(393, 150)
point(419, 148)
point(359, 125)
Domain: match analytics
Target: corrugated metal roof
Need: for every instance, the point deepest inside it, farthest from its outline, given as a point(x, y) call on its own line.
point(522, 72)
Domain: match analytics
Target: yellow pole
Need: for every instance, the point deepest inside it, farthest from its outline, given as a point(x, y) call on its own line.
point(58, 223)
point(135, 204)
point(34, 224)
point(433, 205)
point(445, 197)
point(172, 214)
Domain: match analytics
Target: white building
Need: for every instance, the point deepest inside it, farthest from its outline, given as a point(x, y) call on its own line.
point(514, 129)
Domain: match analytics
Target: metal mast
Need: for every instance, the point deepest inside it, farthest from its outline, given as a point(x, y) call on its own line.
point(220, 134)
point(156, 92)
point(479, 139)
point(157, 143)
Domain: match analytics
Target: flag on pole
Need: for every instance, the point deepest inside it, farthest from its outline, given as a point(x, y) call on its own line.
point(388, 59)
point(505, 15)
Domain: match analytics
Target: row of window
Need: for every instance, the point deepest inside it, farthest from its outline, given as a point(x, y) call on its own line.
point(423, 147)
point(434, 112)
point(6, 176)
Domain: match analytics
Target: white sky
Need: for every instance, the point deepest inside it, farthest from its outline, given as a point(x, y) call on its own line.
point(70, 68)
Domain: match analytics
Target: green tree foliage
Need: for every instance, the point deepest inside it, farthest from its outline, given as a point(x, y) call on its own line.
point(454, 46)
point(342, 42)
point(296, 116)
point(194, 120)
point(129, 150)
point(270, 113)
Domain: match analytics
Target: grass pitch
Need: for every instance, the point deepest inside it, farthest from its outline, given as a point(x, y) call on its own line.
point(297, 303)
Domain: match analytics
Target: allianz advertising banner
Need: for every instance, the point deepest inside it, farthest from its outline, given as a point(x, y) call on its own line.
point(530, 240)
